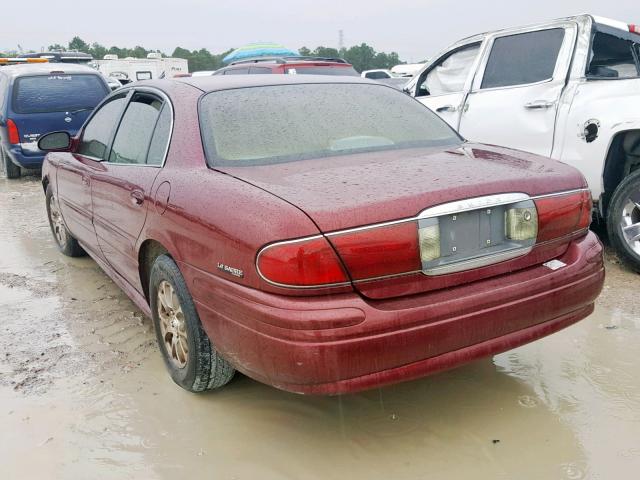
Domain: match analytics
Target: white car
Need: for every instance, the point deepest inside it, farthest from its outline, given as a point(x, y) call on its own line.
point(377, 74)
point(567, 89)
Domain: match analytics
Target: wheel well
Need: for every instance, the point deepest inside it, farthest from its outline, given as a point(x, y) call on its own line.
point(149, 251)
point(622, 159)
point(45, 183)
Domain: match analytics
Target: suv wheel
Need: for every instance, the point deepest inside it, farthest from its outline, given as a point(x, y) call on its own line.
point(10, 169)
point(192, 361)
point(623, 220)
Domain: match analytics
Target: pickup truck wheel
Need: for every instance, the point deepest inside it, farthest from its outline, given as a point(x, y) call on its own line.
point(66, 242)
point(623, 220)
point(10, 169)
point(193, 363)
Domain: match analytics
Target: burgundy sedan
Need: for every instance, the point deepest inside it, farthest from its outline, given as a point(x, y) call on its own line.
point(322, 235)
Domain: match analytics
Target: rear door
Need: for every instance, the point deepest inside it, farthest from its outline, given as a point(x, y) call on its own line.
point(75, 170)
point(56, 101)
point(443, 85)
point(121, 187)
point(515, 95)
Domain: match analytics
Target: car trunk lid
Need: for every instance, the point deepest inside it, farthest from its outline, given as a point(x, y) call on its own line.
point(349, 192)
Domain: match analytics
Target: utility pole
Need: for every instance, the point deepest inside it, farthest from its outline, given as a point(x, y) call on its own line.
point(340, 39)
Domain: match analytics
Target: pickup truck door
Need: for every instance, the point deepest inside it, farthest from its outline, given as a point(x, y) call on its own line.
point(443, 85)
point(515, 93)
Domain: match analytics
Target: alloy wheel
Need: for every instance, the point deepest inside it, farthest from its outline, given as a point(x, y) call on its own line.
point(172, 325)
point(630, 222)
point(57, 223)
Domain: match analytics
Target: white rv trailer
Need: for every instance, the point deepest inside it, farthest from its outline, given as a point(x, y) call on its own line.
point(133, 69)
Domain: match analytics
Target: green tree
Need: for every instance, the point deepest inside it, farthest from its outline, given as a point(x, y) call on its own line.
point(56, 47)
point(361, 56)
point(97, 51)
point(78, 45)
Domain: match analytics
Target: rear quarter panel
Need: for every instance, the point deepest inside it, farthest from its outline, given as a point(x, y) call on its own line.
point(210, 217)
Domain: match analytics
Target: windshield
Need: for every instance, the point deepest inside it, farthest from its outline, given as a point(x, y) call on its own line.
point(57, 93)
point(283, 123)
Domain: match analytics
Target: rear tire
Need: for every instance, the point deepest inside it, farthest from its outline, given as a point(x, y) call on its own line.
point(623, 220)
point(66, 242)
point(193, 363)
point(11, 170)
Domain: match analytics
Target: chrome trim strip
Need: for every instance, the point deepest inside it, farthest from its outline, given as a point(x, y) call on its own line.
point(445, 208)
point(478, 262)
point(475, 203)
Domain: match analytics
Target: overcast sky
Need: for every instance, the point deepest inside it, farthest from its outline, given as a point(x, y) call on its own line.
point(415, 29)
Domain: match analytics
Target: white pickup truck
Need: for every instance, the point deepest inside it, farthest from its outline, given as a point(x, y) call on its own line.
point(567, 89)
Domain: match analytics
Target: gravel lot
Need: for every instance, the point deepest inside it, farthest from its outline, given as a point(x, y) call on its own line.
point(84, 394)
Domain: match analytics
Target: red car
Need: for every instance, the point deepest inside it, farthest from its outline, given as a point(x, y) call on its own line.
point(321, 235)
point(290, 65)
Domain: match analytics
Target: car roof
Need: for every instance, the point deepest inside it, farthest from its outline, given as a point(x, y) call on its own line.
point(45, 68)
point(224, 82)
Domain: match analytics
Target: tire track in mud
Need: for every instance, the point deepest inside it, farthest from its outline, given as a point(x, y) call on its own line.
point(65, 319)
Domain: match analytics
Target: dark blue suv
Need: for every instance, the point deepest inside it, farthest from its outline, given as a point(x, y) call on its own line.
point(39, 98)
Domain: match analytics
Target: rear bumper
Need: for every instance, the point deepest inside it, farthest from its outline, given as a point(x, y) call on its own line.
point(18, 157)
point(344, 343)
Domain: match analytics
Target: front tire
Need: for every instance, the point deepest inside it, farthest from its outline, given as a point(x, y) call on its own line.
point(66, 242)
point(11, 170)
point(623, 220)
point(192, 361)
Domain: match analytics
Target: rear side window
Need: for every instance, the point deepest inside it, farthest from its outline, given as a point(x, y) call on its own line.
point(523, 58)
point(612, 57)
point(57, 93)
point(322, 70)
point(132, 140)
point(160, 139)
point(97, 133)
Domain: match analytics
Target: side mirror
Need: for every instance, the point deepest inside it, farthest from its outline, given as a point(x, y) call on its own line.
point(55, 142)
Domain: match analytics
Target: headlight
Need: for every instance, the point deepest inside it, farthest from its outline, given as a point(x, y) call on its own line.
point(429, 237)
point(521, 223)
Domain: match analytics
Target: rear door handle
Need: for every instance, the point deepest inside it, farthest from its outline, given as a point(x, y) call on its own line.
point(446, 108)
point(539, 105)
point(137, 197)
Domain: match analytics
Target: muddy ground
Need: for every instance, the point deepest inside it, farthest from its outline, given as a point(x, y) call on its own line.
point(84, 394)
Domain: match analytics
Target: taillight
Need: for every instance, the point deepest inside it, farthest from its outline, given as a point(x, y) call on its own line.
point(634, 28)
point(301, 263)
point(562, 215)
point(14, 135)
point(380, 251)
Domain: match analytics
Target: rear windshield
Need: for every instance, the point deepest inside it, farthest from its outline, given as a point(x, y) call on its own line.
point(57, 93)
point(323, 70)
point(284, 123)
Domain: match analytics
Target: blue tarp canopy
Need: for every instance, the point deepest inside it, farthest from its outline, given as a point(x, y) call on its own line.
point(259, 50)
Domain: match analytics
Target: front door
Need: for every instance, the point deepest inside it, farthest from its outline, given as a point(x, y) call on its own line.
point(121, 188)
point(515, 95)
point(441, 86)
